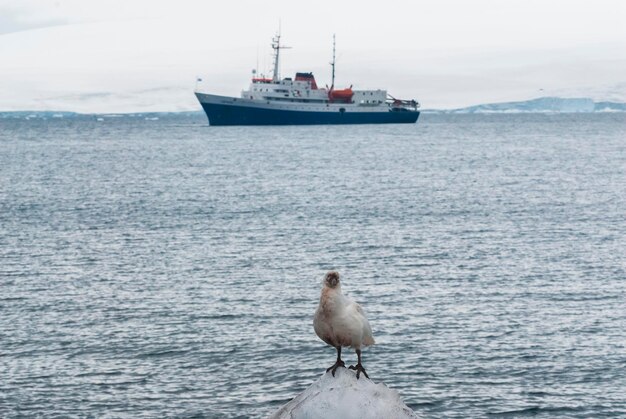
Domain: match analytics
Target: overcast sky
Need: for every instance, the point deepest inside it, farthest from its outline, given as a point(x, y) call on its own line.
point(144, 55)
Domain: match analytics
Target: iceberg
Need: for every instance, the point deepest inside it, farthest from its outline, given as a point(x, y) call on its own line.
point(539, 105)
point(343, 396)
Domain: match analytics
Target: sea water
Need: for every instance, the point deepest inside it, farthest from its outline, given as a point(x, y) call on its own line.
point(165, 268)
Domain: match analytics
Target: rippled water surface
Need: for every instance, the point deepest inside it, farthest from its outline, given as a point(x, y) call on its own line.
point(167, 268)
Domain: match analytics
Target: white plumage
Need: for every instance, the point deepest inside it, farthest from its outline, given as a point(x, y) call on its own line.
point(340, 321)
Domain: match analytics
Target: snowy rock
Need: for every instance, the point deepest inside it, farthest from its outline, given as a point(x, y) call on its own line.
point(343, 396)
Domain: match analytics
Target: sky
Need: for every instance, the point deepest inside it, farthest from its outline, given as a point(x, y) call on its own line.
point(146, 55)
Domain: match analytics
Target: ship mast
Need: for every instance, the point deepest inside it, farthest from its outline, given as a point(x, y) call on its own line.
point(332, 84)
point(277, 47)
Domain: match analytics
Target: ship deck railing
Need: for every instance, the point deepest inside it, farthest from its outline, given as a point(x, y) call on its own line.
point(400, 104)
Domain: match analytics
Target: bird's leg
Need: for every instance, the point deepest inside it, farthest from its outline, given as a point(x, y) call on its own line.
point(358, 367)
point(337, 364)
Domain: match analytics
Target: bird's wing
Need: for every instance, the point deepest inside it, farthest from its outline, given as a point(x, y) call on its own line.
point(368, 339)
point(322, 328)
point(357, 325)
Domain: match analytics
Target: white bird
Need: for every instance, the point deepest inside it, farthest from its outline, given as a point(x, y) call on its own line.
point(340, 321)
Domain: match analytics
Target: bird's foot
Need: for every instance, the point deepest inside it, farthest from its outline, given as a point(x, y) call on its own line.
point(338, 364)
point(359, 369)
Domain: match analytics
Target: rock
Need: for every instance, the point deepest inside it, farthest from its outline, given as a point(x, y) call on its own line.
point(343, 396)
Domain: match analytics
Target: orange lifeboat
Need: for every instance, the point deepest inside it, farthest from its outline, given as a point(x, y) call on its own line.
point(341, 95)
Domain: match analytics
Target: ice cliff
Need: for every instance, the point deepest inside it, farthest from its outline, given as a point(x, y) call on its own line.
point(343, 396)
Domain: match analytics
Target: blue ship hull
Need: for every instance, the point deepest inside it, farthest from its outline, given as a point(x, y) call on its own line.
point(219, 114)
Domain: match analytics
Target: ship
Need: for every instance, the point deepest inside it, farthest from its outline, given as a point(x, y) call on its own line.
point(299, 101)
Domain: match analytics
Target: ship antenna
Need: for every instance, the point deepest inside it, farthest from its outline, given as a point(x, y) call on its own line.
point(332, 84)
